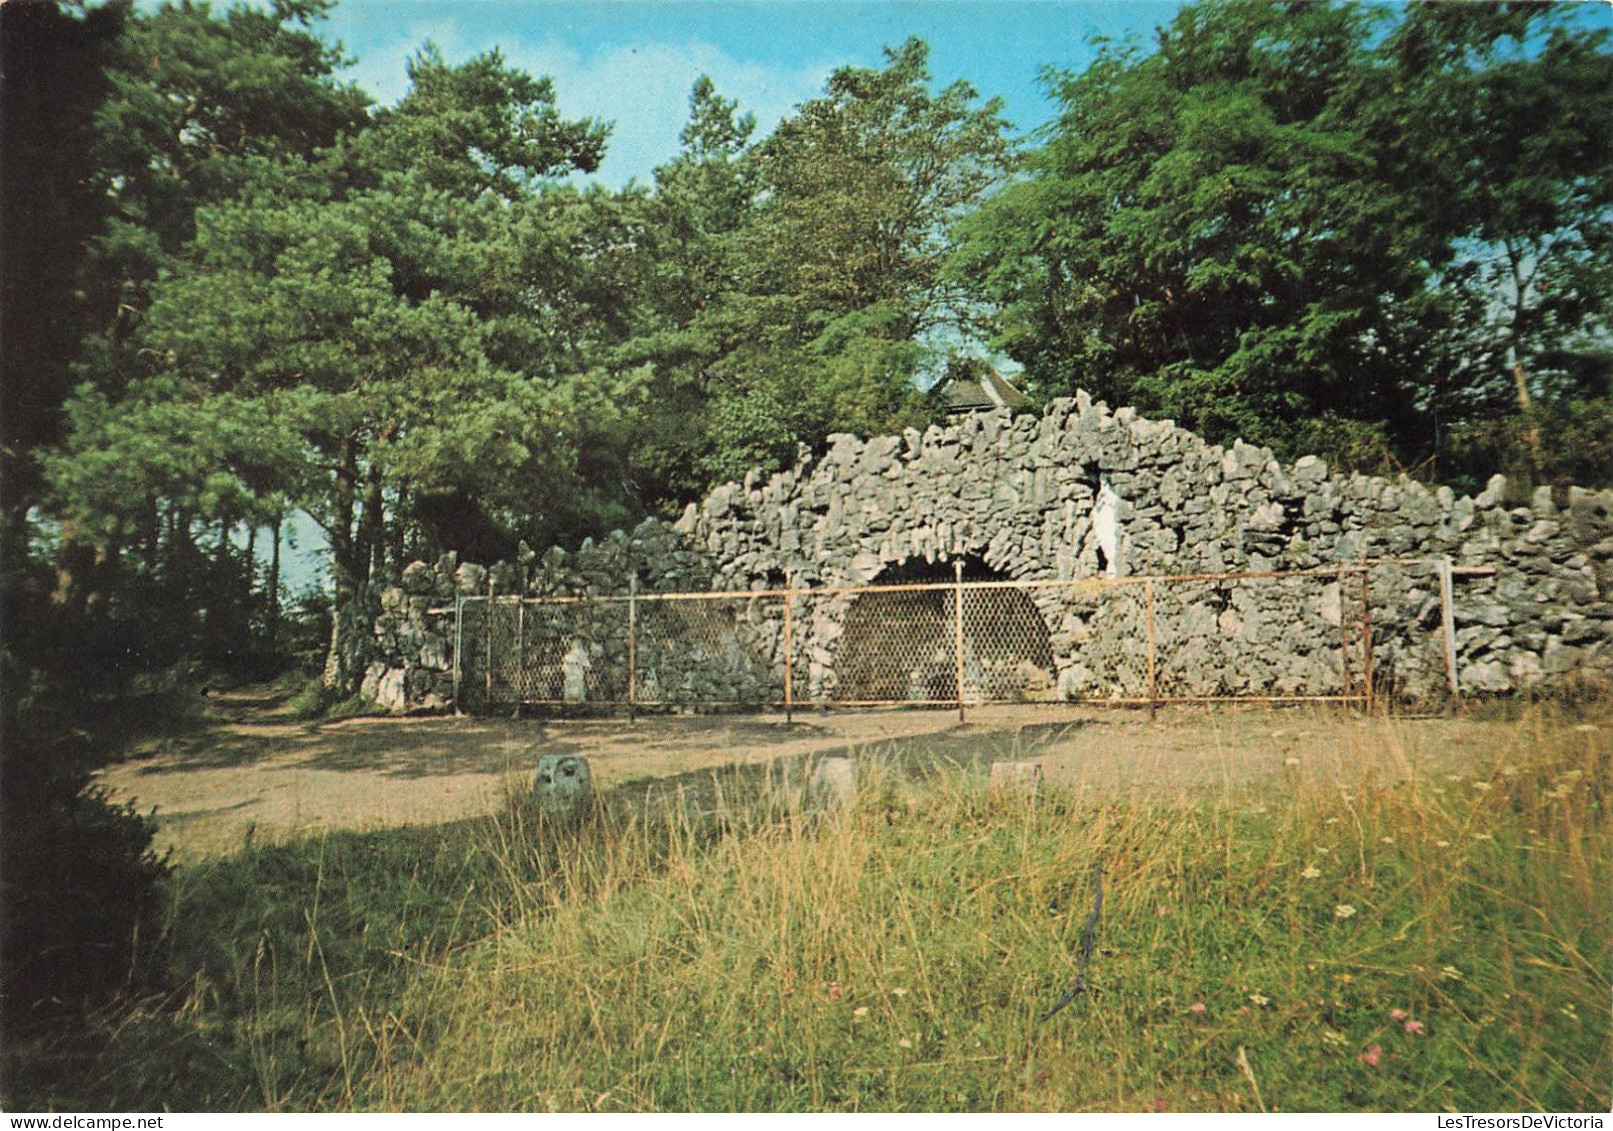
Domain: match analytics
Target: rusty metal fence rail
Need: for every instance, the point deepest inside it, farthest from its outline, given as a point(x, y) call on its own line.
point(1286, 636)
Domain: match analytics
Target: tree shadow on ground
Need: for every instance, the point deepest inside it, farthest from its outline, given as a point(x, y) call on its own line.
point(417, 747)
point(735, 786)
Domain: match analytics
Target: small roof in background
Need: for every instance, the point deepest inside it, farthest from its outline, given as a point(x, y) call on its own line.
point(984, 391)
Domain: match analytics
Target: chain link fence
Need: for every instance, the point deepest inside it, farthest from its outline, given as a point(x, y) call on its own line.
point(1285, 636)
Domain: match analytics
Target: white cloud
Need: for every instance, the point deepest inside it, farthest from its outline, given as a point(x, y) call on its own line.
point(382, 68)
point(642, 89)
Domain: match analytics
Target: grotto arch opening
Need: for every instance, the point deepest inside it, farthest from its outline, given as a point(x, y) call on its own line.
point(900, 645)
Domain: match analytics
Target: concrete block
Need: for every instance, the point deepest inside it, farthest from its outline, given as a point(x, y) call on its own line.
point(1022, 778)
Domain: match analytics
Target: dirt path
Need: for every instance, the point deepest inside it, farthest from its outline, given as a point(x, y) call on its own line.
point(252, 766)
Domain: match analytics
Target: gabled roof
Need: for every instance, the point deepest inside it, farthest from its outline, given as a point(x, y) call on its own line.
point(986, 393)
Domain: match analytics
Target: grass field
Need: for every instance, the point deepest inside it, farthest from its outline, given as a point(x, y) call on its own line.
point(1398, 933)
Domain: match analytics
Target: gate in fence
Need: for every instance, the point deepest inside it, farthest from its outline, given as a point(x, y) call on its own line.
point(1288, 636)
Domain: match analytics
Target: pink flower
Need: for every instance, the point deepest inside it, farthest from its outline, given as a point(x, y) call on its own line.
point(1415, 1028)
point(1371, 1057)
point(1196, 1007)
point(1398, 1014)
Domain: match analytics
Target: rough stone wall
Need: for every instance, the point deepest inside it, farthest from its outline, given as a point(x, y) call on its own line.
point(1017, 496)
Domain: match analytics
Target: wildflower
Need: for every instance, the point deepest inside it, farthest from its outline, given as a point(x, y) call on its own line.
point(1371, 1057)
point(1397, 1014)
point(1414, 1027)
point(1333, 1038)
point(1346, 978)
point(1196, 1007)
point(1260, 999)
point(1450, 974)
point(1343, 911)
point(1311, 872)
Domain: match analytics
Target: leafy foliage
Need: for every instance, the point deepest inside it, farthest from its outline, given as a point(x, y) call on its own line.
point(817, 303)
point(1288, 212)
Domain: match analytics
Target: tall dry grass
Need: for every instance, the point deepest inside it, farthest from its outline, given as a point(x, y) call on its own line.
point(1381, 941)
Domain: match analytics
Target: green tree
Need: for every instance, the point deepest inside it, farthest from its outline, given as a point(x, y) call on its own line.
point(53, 79)
point(344, 305)
point(1515, 105)
point(120, 124)
point(194, 98)
point(684, 268)
point(1207, 233)
point(1286, 221)
point(838, 269)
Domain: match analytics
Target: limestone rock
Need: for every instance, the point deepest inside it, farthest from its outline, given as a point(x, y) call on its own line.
point(563, 786)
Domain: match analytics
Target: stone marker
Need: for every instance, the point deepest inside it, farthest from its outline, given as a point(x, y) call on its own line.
point(1016, 777)
point(564, 786)
point(833, 782)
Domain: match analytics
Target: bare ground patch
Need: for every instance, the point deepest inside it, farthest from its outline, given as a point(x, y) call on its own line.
point(253, 767)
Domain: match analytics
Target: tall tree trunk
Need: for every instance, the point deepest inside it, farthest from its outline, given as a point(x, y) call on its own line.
point(1522, 280)
point(397, 541)
point(272, 627)
point(347, 561)
point(249, 589)
point(1531, 422)
point(373, 525)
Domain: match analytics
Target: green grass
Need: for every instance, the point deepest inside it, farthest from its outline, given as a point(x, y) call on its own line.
point(1434, 945)
point(313, 700)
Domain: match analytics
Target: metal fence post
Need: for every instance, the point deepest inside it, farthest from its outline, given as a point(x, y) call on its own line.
point(632, 647)
point(520, 647)
point(789, 655)
point(492, 607)
point(957, 630)
point(459, 649)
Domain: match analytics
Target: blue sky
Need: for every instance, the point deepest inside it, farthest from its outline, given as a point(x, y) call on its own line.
point(633, 61)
